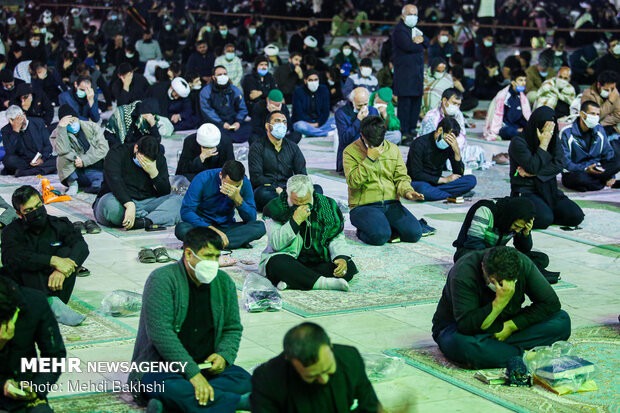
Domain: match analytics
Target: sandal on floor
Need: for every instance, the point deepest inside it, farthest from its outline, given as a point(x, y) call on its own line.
point(80, 227)
point(155, 227)
point(146, 256)
point(92, 227)
point(161, 255)
point(227, 261)
point(82, 272)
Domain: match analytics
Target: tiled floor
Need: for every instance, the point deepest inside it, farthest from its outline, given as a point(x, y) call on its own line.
point(114, 265)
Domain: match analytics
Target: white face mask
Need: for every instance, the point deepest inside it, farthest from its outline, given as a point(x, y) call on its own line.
point(331, 82)
point(205, 270)
point(558, 53)
point(616, 49)
point(366, 71)
point(561, 83)
point(604, 94)
point(451, 110)
point(443, 39)
point(346, 51)
point(313, 86)
point(411, 20)
point(492, 287)
point(221, 79)
point(591, 120)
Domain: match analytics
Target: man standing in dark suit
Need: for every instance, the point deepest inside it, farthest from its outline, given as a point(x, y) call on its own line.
point(408, 44)
point(313, 375)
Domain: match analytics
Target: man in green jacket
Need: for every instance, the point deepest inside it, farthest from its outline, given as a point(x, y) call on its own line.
point(382, 101)
point(190, 315)
point(480, 321)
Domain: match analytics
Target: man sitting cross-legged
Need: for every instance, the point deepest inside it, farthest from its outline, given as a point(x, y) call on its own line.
point(480, 321)
point(313, 375)
point(306, 248)
point(427, 159)
point(135, 192)
point(190, 315)
point(43, 252)
point(211, 201)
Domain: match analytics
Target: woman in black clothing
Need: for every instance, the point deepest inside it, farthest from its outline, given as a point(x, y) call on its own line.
point(536, 157)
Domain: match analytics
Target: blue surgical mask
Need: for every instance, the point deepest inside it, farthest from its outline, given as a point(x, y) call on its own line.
point(279, 130)
point(441, 143)
point(520, 89)
point(411, 20)
point(263, 72)
point(543, 74)
point(80, 93)
point(252, 32)
point(230, 55)
point(74, 127)
point(137, 162)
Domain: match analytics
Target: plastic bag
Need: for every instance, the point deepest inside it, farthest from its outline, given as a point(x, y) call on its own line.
point(380, 367)
point(259, 294)
point(241, 152)
point(121, 303)
point(179, 184)
point(557, 368)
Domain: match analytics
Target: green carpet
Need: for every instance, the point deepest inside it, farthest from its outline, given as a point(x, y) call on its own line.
point(97, 328)
point(600, 345)
point(417, 275)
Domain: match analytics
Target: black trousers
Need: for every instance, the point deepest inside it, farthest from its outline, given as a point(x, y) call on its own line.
point(39, 281)
point(540, 259)
point(409, 113)
point(298, 276)
point(564, 212)
point(14, 164)
point(264, 194)
point(583, 181)
point(484, 351)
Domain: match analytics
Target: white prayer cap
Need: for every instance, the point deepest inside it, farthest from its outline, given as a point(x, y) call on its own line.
point(311, 41)
point(271, 50)
point(208, 136)
point(180, 86)
point(11, 20)
point(75, 10)
point(47, 13)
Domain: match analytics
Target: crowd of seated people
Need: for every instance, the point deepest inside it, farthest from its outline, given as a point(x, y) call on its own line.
point(94, 104)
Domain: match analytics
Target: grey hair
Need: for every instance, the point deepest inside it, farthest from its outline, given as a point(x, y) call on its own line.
point(300, 185)
point(359, 89)
point(402, 11)
point(14, 111)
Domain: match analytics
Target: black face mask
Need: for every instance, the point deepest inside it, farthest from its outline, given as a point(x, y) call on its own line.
point(36, 219)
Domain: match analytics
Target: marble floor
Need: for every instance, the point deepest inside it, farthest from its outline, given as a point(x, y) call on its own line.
point(114, 265)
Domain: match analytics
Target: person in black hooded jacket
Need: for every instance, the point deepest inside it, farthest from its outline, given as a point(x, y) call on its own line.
point(494, 222)
point(536, 157)
point(256, 85)
point(27, 324)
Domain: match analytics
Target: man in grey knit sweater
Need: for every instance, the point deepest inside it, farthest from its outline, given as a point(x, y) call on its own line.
point(190, 315)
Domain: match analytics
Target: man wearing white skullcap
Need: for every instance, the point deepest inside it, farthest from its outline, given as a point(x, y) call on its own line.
point(205, 149)
point(174, 103)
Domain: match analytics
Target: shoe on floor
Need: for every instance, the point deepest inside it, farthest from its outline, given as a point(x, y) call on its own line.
point(427, 229)
point(501, 158)
point(82, 272)
point(79, 225)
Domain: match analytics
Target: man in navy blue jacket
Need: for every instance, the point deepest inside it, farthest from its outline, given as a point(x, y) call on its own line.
point(222, 104)
point(348, 119)
point(83, 99)
point(211, 200)
point(591, 161)
point(408, 44)
point(311, 107)
point(27, 145)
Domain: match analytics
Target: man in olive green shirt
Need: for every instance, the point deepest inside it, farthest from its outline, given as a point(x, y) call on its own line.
point(377, 177)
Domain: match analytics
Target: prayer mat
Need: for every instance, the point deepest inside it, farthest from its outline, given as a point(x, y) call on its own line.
point(95, 402)
point(599, 345)
point(95, 329)
point(80, 208)
point(393, 275)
